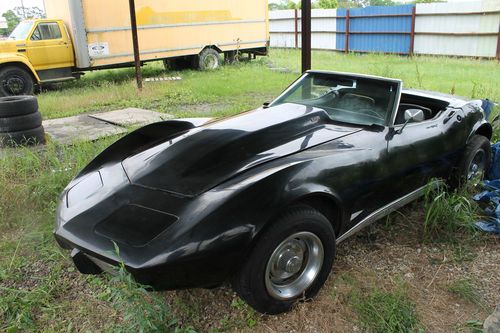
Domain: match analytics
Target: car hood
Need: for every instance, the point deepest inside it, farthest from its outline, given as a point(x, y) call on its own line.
point(204, 157)
point(9, 46)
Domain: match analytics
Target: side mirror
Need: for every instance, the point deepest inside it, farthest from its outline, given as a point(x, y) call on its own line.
point(416, 115)
point(265, 105)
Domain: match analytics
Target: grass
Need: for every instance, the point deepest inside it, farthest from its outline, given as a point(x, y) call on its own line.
point(382, 311)
point(448, 212)
point(39, 288)
point(465, 289)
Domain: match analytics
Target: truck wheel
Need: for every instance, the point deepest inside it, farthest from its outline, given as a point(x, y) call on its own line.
point(17, 106)
point(208, 60)
point(15, 81)
point(289, 263)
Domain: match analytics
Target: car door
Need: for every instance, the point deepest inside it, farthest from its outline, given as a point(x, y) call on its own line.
point(49, 46)
point(424, 150)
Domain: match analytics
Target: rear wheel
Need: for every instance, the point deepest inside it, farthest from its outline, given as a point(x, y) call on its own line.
point(474, 163)
point(15, 81)
point(208, 59)
point(289, 263)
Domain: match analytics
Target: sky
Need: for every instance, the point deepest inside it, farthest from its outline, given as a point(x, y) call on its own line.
point(5, 5)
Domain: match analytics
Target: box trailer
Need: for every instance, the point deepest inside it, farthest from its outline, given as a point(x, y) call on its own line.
point(84, 35)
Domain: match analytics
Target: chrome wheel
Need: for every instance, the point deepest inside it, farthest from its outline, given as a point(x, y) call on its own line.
point(477, 167)
point(294, 265)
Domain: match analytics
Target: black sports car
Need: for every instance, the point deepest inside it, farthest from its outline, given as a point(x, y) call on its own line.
point(263, 198)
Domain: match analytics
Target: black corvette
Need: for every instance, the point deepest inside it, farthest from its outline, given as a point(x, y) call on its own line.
point(262, 198)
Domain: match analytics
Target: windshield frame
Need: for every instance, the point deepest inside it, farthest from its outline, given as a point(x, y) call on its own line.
point(398, 82)
point(26, 33)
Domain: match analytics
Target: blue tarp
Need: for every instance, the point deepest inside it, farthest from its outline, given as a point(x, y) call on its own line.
point(491, 194)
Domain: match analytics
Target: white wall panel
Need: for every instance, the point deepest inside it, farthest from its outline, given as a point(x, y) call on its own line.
point(480, 46)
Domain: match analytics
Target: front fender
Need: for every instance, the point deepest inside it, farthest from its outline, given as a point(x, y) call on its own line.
point(19, 60)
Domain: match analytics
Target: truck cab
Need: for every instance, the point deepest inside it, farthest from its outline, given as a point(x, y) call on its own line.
point(37, 51)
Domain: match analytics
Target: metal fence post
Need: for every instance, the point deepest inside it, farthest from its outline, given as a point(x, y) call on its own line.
point(346, 31)
point(498, 43)
point(296, 28)
point(412, 31)
point(306, 35)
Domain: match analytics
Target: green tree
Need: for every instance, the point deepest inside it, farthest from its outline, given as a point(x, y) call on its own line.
point(29, 12)
point(382, 3)
point(327, 4)
point(12, 22)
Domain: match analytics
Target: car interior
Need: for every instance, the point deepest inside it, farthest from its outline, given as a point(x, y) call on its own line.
point(431, 107)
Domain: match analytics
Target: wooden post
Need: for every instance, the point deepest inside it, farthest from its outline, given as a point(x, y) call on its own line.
point(412, 31)
point(296, 28)
point(347, 31)
point(135, 41)
point(306, 35)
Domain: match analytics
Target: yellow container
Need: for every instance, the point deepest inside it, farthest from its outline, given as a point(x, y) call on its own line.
point(101, 34)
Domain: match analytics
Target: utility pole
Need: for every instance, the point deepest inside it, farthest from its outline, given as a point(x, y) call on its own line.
point(306, 35)
point(135, 41)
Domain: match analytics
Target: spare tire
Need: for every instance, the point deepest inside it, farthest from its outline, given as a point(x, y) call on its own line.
point(17, 106)
point(20, 123)
point(28, 137)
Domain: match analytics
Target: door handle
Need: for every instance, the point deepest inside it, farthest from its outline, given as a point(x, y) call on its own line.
point(21, 50)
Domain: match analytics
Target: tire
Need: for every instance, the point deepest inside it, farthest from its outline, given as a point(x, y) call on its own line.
point(474, 163)
point(28, 137)
point(20, 123)
point(15, 81)
point(300, 227)
point(17, 106)
point(208, 59)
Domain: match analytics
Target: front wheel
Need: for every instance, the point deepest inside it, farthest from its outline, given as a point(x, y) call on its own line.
point(289, 263)
point(15, 81)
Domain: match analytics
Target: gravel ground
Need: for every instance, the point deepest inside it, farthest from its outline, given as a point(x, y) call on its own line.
point(384, 256)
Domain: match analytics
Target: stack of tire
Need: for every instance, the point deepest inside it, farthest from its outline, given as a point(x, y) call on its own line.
point(20, 122)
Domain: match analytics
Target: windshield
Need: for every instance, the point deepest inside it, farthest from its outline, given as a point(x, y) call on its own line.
point(21, 31)
point(349, 99)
